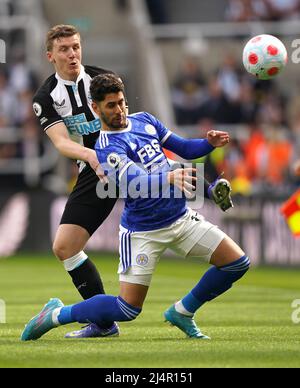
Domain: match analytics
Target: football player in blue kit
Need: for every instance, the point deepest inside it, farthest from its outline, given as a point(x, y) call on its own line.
point(130, 151)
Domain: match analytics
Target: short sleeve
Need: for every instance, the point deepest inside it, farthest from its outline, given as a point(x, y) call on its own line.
point(44, 110)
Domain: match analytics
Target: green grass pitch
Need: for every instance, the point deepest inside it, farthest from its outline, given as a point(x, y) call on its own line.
point(250, 326)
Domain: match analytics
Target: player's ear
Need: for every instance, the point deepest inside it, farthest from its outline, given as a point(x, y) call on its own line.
point(50, 57)
point(95, 108)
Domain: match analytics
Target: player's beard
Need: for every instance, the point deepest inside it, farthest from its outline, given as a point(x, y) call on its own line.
point(114, 124)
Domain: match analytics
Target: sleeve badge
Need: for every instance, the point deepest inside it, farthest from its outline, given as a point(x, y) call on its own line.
point(37, 109)
point(113, 160)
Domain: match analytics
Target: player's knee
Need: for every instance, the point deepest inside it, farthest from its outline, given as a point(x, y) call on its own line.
point(61, 251)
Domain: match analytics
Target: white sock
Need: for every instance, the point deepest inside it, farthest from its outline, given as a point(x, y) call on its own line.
point(55, 315)
point(179, 307)
point(75, 261)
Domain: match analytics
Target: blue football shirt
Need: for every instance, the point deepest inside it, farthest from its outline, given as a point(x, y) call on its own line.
point(137, 152)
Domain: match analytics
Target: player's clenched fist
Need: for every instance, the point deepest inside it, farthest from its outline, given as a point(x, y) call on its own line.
point(218, 138)
point(184, 180)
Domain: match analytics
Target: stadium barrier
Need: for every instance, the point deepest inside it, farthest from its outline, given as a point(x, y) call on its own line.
point(28, 222)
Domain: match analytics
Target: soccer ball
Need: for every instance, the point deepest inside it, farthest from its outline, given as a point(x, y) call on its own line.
point(265, 56)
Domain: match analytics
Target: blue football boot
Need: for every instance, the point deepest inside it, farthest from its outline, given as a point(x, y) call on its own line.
point(41, 323)
point(184, 323)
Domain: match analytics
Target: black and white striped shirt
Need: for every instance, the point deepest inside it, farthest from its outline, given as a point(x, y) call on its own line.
point(70, 102)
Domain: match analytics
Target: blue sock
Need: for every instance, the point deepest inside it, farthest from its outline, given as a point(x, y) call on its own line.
point(65, 315)
point(215, 282)
point(100, 309)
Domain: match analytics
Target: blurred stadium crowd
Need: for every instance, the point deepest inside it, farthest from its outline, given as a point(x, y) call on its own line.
point(268, 10)
point(19, 129)
point(264, 119)
point(266, 124)
point(18, 125)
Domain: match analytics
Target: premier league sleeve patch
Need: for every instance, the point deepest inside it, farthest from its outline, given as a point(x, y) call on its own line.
point(114, 160)
point(37, 108)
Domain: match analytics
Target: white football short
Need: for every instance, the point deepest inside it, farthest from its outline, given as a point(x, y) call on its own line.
point(190, 236)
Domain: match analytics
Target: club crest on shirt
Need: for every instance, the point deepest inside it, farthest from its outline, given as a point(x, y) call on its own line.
point(142, 260)
point(113, 160)
point(150, 129)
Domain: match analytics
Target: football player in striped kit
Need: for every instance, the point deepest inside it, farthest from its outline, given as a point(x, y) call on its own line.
point(64, 108)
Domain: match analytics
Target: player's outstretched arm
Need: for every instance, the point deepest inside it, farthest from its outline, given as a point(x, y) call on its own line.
point(220, 190)
point(59, 136)
point(190, 149)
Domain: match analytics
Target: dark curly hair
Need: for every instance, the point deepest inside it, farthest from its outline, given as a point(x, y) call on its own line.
point(105, 84)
